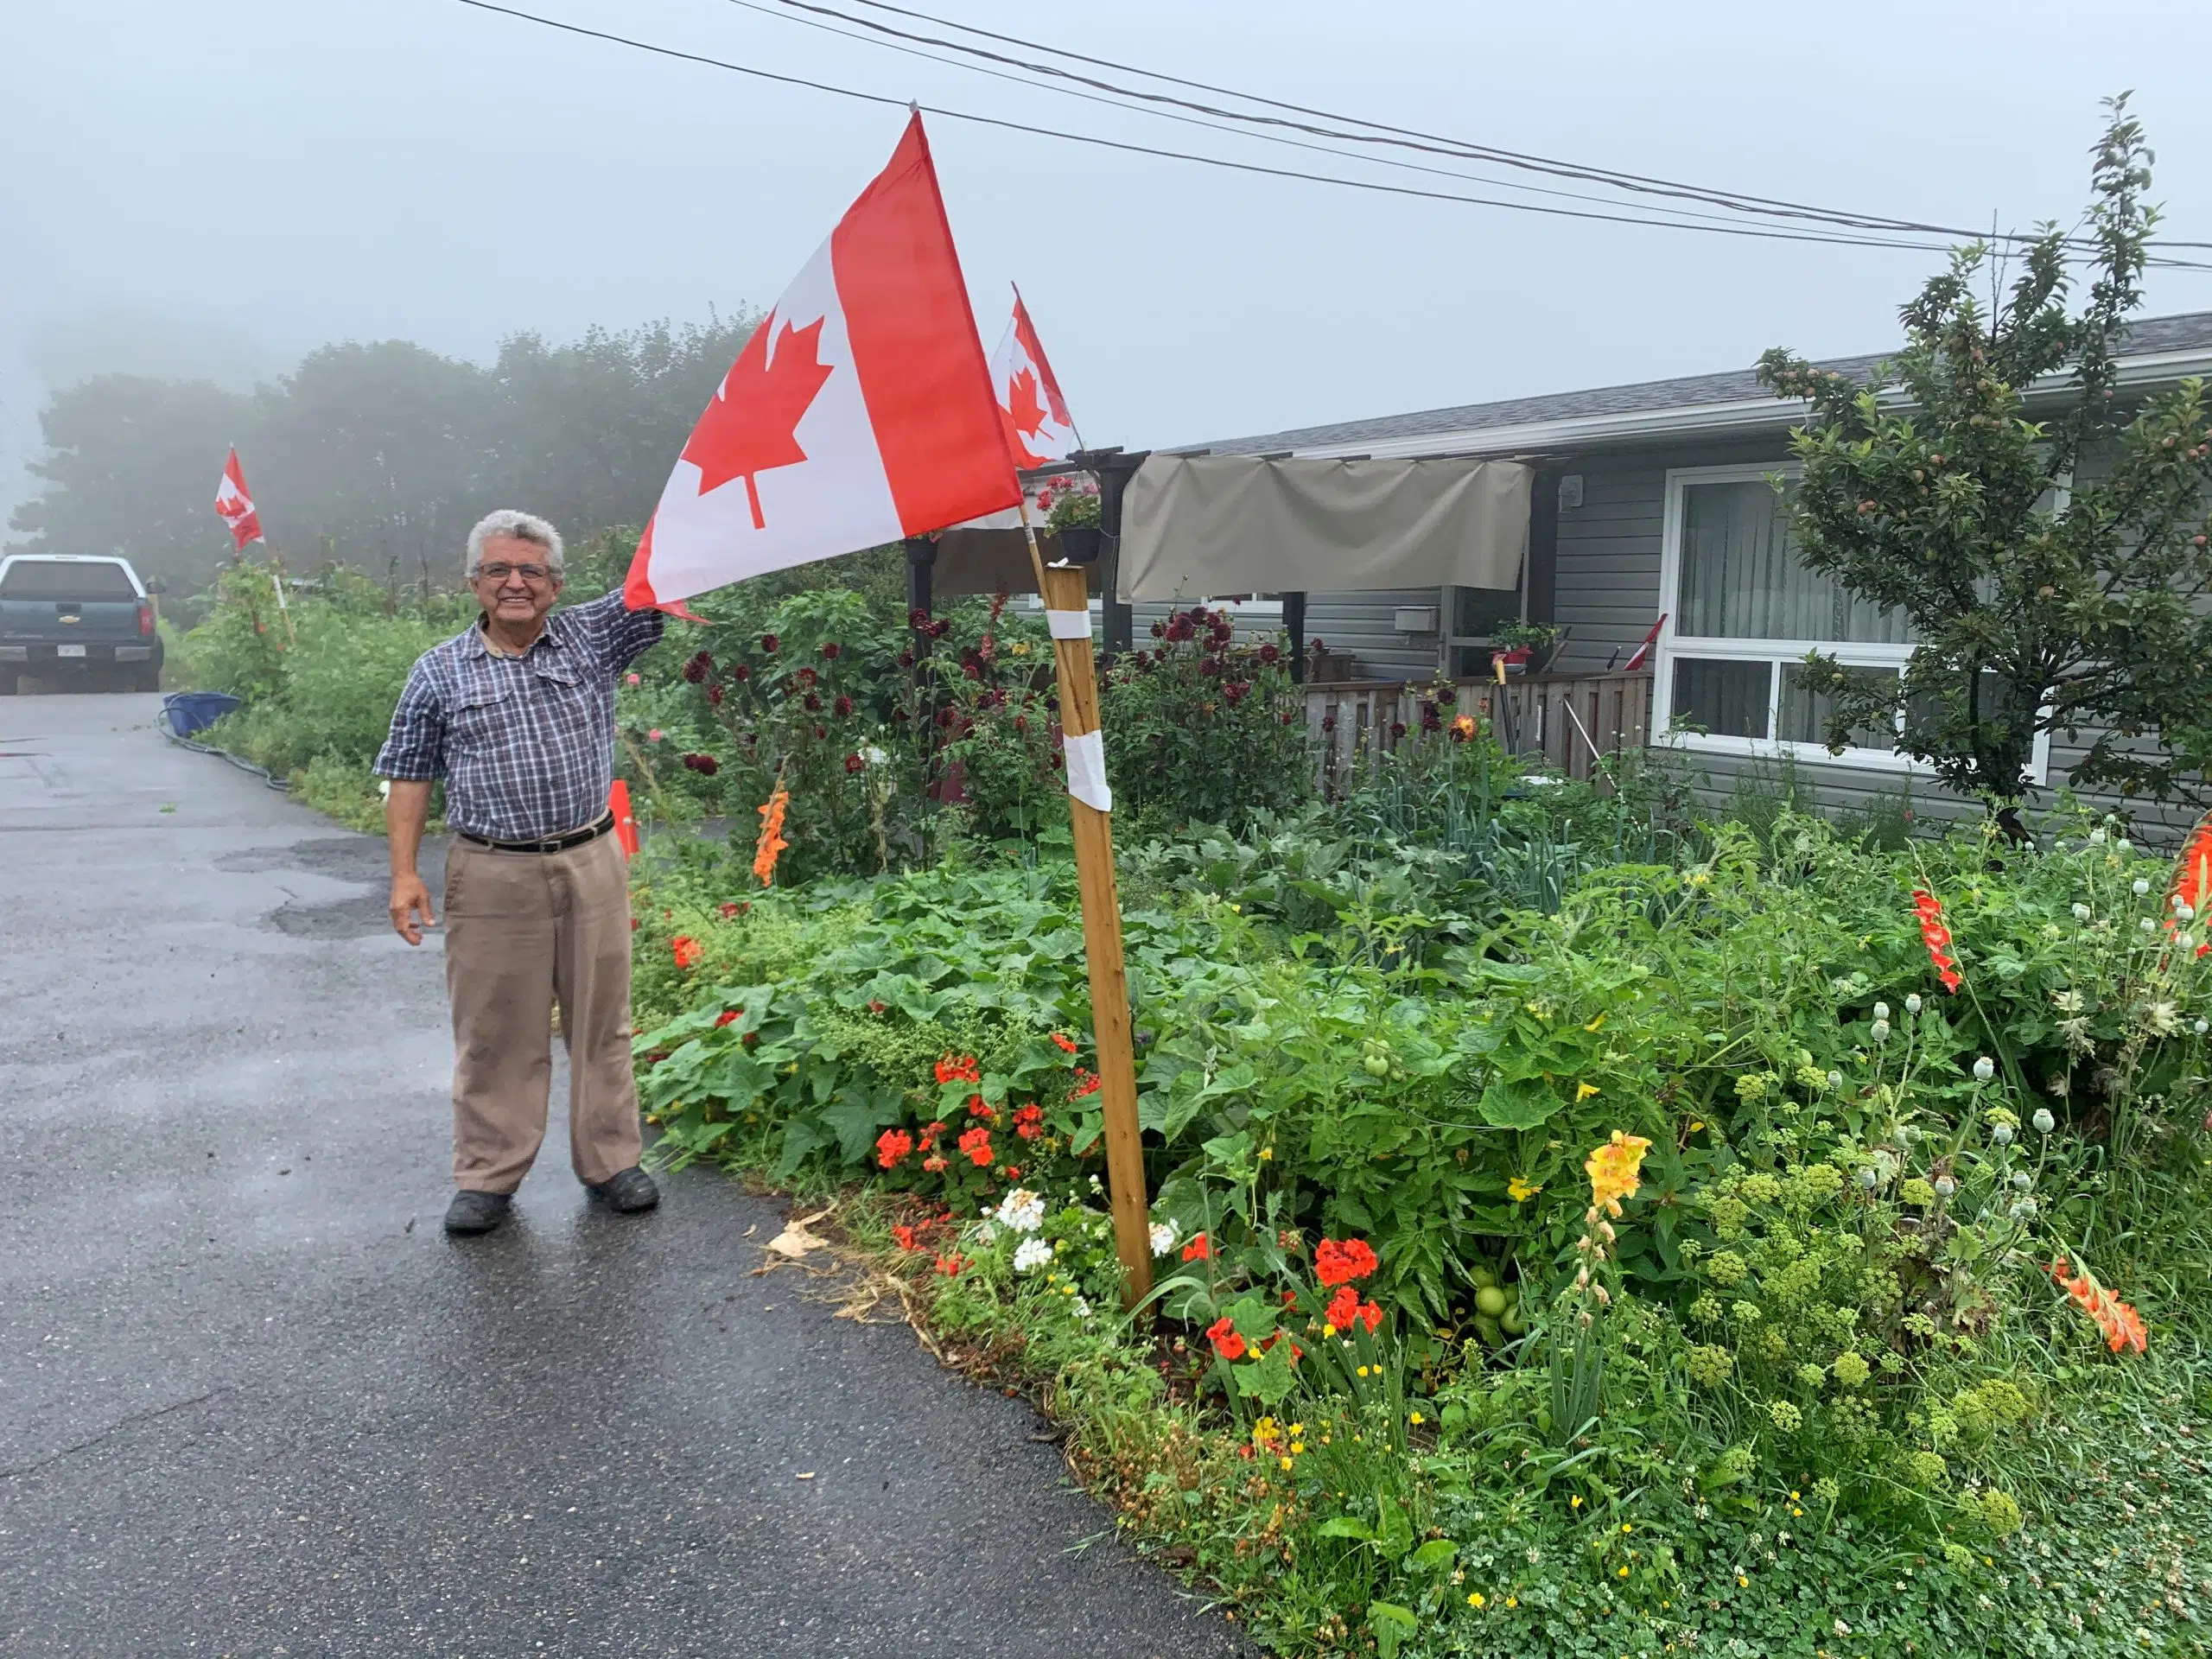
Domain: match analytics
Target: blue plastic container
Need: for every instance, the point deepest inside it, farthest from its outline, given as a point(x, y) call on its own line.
point(186, 712)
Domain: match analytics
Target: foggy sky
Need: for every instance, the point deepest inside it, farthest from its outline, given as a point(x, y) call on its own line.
point(217, 189)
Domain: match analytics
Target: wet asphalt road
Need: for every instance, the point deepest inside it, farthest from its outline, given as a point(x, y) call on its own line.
point(253, 1401)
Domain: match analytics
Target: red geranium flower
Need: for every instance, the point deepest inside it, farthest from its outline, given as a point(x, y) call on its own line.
point(978, 1106)
point(686, 950)
point(728, 910)
point(930, 1133)
point(1086, 1083)
point(1338, 1263)
point(1372, 1315)
point(1065, 1045)
point(1343, 1307)
point(949, 1265)
point(730, 1016)
point(905, 1234)
point(1198, 1249)
point(960, 1070)
point(1223, 1333)
point(934, 1163)
point(975, 1143)
point(892, 1146)
point(1029, 1121)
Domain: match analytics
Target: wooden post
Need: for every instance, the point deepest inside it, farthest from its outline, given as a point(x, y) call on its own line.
point(1067, 594)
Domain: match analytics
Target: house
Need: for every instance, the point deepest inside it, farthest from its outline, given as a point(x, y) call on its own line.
point(1653, 499)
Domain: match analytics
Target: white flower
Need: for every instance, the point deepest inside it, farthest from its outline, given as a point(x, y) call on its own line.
point(1881, 1010)
point(874, 756)
point(1984, 1069)
point(1082, 1306)
point(2067, 1002)
point(2165, 1019)
point(1163, 1237)
point(1021, 1210)
point(2201, 1026)
point(2044, 1120)
point(2139, 886)
point(2081, 912)
point(1912, 1004)
point(1032, 1254)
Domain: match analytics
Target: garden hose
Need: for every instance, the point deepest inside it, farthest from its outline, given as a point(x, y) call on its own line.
point(281, 785)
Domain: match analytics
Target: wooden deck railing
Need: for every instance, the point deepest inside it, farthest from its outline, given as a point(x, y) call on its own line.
point(1570, 720)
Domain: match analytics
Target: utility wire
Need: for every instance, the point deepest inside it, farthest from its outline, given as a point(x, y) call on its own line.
point(1183, 156)
point(1378, 186)
point(1382, 132)
point(1120, 103)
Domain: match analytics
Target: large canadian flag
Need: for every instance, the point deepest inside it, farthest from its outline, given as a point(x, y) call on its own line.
point(1038, 428)
point(235, 506)
point(859, 412)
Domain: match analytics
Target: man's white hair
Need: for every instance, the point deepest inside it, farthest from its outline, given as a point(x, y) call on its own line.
point(507, 521)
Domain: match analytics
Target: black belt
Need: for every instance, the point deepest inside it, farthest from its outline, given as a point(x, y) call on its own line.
point(550, 844)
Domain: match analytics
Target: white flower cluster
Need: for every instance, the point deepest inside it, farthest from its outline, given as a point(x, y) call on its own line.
point(1031, 1254)
point(1021, 1211)
point(1163, 1237)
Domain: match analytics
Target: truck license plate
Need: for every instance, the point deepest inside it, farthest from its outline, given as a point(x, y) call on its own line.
point(68, 651)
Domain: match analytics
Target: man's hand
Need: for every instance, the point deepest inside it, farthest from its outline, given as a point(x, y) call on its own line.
point(408, 896)
point(405, 812)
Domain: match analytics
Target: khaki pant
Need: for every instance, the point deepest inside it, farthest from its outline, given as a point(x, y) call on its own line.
point(524, 931)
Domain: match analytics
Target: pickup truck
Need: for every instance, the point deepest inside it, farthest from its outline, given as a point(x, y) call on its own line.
point(76, 619)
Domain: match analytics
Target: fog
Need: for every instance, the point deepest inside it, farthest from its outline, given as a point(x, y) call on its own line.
point(212, 190)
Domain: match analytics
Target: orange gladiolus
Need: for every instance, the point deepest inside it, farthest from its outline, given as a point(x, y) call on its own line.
point(772, 834)
point(2121, 1325)
point(2193, 879)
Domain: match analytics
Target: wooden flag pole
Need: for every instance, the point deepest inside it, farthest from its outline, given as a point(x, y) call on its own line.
point(1067, 607)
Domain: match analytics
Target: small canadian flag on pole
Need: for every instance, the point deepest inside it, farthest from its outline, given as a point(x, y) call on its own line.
point(860, 411)
point(235, 506)
point(1642, 656)
point(1038, 428)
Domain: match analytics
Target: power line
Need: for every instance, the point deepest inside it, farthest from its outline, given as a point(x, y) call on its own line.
point(1382, 132)
point(1118, 103)
point(1223, 162)
point(1178, 154)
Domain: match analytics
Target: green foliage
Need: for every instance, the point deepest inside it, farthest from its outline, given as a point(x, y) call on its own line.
point(2054, 571)
point(1199, 729)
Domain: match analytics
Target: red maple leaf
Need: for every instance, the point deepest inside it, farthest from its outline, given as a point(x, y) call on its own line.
point(751, 425)
point(1025, 416)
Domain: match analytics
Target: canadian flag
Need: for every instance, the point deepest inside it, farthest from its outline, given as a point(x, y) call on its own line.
point(1642, 656)
point(235, 506)
point(1038, 429)
point(859, 412)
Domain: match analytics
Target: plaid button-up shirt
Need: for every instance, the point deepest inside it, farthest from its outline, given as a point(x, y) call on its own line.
point(525, 744)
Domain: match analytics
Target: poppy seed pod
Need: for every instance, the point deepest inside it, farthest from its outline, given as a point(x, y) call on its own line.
point(2044, 1120)
point(1984, 1069)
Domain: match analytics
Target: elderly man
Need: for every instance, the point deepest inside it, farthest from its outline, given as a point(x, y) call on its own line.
point(517, 715)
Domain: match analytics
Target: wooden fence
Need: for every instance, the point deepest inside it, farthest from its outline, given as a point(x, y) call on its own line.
point(1570, 720)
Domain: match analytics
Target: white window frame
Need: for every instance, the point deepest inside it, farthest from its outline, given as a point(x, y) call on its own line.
point(1674, 646)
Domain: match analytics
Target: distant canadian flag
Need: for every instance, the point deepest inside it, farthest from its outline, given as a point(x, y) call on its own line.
point(1038, 428)
point(1640, 657)
point(235, 506)
point(859, 412)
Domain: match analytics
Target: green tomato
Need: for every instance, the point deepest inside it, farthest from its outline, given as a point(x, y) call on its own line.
point(1377, 1065)
point(1483, 1276)
point(1490, 1301)
point(1515, 1322)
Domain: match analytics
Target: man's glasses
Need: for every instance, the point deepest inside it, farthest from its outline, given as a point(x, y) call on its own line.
point(529, 573)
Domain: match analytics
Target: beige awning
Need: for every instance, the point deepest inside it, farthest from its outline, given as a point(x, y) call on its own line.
point(1193, 525)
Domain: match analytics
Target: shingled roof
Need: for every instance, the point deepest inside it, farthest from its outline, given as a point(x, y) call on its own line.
point(2147, 337)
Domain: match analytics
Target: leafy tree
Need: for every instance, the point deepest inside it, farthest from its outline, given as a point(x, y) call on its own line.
point(2053, 569)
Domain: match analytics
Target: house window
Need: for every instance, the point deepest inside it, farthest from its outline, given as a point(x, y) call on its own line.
point(1474, 613)
point(1743, 612)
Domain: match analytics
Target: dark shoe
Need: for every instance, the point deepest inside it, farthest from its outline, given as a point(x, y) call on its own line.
point(628, 1193)
point(476, 1212)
